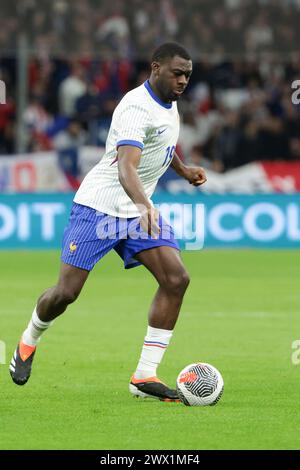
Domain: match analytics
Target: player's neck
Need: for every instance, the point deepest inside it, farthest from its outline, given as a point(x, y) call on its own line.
point(156, 91)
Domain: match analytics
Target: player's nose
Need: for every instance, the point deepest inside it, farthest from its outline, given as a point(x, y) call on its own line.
point(182, 81)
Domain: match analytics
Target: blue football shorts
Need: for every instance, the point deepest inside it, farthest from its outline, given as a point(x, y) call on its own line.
point(91, 234)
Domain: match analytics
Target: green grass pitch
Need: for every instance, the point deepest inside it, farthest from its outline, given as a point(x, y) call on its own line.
point(241, 314)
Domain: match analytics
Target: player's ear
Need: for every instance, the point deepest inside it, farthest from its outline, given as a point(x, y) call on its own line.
point(155, 66)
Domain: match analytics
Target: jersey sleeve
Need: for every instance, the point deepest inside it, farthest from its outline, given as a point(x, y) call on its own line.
point(133, 123)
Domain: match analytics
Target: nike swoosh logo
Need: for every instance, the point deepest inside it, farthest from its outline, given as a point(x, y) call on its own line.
point(163, 130)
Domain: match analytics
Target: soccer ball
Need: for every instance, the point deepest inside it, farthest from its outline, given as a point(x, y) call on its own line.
point(200, 384)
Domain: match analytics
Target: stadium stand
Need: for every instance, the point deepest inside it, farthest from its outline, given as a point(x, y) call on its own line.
point(84, 55)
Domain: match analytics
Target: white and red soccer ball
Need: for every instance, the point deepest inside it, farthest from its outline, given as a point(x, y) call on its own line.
point(200, 384)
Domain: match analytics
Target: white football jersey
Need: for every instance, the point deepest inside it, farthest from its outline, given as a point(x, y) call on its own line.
point(141, 119)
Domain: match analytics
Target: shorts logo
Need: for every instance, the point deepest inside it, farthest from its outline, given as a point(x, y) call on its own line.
point(73, 247)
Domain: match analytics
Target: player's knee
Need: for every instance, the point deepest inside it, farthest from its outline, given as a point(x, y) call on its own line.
point(177, 283)
point(184, 281)
point(66, 295)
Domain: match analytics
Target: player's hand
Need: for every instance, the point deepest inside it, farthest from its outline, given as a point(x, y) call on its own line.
point(149, 221)
point(195, 175)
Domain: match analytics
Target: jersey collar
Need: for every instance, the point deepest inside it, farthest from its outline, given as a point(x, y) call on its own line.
point(155, 97)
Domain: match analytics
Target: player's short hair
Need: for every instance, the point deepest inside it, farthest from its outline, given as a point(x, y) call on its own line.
point(168, 50)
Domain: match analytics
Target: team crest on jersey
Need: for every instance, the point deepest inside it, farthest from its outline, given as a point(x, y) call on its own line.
point(73, 247)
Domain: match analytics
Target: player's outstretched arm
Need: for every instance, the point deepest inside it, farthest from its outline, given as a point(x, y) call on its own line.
point(194, 174)
point(128, 161)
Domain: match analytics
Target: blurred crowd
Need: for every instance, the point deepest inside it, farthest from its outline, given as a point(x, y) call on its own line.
point(241, 111)
point(131, 28)
point(237, 108)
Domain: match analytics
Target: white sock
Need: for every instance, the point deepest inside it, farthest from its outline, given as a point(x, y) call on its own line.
point(34, 330)
point(155, 345)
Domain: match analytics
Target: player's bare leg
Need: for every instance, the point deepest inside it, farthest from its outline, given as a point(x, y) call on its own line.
point(166, 266)
point(50, 305)
point(55, 300)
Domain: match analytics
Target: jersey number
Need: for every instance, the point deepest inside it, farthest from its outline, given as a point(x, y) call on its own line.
point(169, 155)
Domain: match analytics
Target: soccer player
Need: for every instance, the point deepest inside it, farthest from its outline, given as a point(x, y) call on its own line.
point(112, 210)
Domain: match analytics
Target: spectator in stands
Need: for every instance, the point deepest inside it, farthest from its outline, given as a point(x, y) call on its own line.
point(188, 137)
point(274, 140)
point(67, 143)
point(37, 121)
point(228, 141)
point(70, 89)
point(249, 148)
point(7, 112)
point(7, 139)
